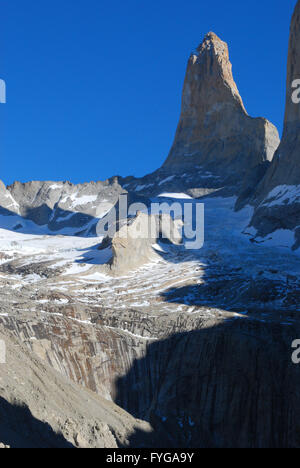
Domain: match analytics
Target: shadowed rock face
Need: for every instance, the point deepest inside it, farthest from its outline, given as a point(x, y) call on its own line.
point(215, 130)
point(278, 195)
point(229, 386)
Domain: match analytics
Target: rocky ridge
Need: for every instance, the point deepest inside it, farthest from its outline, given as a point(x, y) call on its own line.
point(52, 207)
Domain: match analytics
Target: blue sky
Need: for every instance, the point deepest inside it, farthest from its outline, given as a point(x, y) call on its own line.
point(94, 87)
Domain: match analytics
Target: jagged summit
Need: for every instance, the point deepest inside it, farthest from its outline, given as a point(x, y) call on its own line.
point(210, 37)
point(292, 111)
point(57, 206)
point(212, 55)
point(214, 129)
point(212, 42)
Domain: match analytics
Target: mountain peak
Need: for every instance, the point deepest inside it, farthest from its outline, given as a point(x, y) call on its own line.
point(211, 40)
point(214, 129)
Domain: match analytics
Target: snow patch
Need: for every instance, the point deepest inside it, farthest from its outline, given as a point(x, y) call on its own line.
point(79, 201)
point(279, 238)
point(283, 195)
point(179, 196)
point(168, 179)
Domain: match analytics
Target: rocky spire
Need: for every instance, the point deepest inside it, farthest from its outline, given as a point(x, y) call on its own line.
point(278, 195)
point(292, 111)
point(215, 130)
point(286, 165)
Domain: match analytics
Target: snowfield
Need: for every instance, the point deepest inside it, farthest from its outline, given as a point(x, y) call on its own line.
point(227, 244)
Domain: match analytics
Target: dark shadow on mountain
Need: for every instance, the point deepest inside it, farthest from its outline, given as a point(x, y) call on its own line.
point(20, 429)
point(95, 255)
point(230, 287)
point(197, 181)
point(38, 221)
point(223, 386)
point(232, 290)
point(43, 220)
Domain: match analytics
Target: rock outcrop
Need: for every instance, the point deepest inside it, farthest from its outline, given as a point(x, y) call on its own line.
point(215, 131)
point(7, 203)
point(278, 195)
point(133, 243)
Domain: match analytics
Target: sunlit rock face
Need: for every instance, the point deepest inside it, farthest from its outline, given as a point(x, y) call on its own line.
point(135, 241)
point(214, 129)
point(278, 195)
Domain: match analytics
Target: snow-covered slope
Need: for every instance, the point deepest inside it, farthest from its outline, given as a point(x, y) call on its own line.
point(111, 334)
point(51, 207)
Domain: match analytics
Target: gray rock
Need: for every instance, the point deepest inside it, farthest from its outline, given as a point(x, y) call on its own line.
point(214, 129)
point(217, 146)
point(277, 198)
point(59, 206)
point(39, 408)
point(132, 244)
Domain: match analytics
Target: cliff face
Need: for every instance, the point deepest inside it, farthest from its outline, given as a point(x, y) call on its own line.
point(215, 131)
point(7, 203)
point(278, 195)
point(39, 408)
point(225, 386)
point(200, 379)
